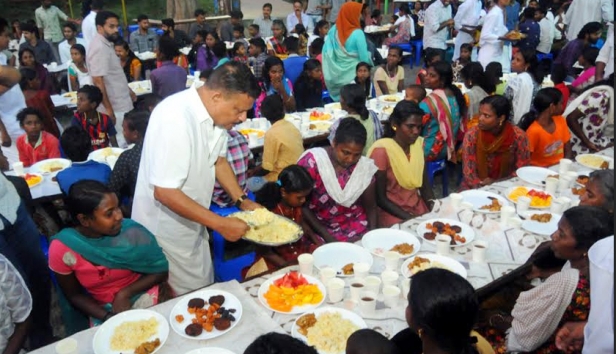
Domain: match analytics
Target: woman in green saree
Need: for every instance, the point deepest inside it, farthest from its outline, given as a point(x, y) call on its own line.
point(105, 264)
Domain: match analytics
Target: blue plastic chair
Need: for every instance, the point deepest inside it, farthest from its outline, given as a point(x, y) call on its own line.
point(326, 97)
point(418, 45)
point(599, 43)
point(548, 56)
point(159, 32)
point(132, 28)
point(225, 270)
point(435, 167)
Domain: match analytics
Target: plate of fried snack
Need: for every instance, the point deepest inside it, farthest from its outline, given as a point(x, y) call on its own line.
point(484, 202)
point(380, 241)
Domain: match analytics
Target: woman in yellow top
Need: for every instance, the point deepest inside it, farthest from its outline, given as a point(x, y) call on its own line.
point(402, 187)
point(129, 61)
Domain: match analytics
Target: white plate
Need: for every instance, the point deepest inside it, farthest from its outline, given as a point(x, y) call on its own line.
point(450, 263)
point(331, 106)
point(389, 99)
point(539, 228)
point(181, 308)
point(99, 155)
point(580, 159)
point(380, 241)
point(511, 189)
point(346, 314)
point(320, 127)
point(210, 351)
point(42, 166)
point(480, 198)
point(297, 309)
point(102, 338)
point(467, 232)
point(339, 254)
point(534, 175)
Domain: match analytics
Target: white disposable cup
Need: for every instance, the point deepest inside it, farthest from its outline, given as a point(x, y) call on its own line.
point(392, 260)
point(564, 166)
point(197, 74)
point(572, 176)
point(443, 245)
point(367, 303)
point(18, 167)
point(391, 295)
point(551, 184)
point(306, 262)
point(327, 274)
point(479, 251)
point(373, 283)
point(515, 222)
point(559, 205)
point(357, 287)
point(564, 182)
point(506, 212)
point(456, 200)
point(466, 206)
point(523, 204)
point(389, 277)
point(67, 346)
point(406, 287)
point(361, 269)
point(335, 290)
point(253, 138)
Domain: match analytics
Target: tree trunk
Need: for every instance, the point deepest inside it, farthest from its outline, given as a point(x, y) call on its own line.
point(180, 9)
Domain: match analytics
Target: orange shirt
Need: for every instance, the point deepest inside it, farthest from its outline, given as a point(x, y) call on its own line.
point(47, 147)
point(547, 149)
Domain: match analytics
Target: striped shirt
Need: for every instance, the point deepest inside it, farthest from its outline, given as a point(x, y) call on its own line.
point(100, 132)
point(239, 157)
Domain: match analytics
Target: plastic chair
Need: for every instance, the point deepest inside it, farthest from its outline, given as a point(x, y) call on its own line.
point(225, 270)
point(326, 97)
point(599, 43)
point(45, 248)
point(418, 46)
point(132, 28)
point(435, 167)
point(541, 56)
point(159, 32)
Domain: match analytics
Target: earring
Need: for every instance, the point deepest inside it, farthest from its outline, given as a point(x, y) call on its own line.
point(394, 128)
point(420, 332)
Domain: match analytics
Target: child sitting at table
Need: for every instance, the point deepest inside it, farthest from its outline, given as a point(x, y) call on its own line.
point(558, 76)
point(238, 35)
point(239, 53)
point(309, 87)
point(546, 129)
point(283, 144)
point(286, 197)
point(369, 341)
point(587, 59)
point(124, 175)
point(278, 343)
point(466, 50)
point(77, 146)
point(97, 125)
point(414, 93)
point(363, 79)
point(253, 31)
point(35, 145)
point(220, 52)
point(40, 99)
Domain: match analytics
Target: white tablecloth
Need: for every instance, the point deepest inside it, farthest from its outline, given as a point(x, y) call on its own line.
point(254, 322)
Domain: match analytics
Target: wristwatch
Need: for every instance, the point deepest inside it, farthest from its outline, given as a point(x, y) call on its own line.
point(240, 200)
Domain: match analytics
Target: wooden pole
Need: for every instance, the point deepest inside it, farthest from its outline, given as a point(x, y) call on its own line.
point(124, 12)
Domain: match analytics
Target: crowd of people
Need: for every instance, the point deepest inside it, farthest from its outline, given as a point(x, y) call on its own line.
point(139, 234)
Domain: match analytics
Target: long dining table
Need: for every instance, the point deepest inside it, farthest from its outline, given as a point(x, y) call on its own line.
point(508, 249)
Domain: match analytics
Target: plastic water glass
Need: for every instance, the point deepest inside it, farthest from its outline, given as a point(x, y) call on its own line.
point(479, 251)
point(443, 245)
point(367, 303)
point(551, 184)
point(361, 269)
point(392, 259)
point(391, 295)
point(306, 262)
point(327, 274)
point(564, 166)
point(335, 290)
point(389, 277)
point(356, 288)
point(523, 205)
point(506, 212)
point(456, 200)
point(18, 167)
point(373, 284)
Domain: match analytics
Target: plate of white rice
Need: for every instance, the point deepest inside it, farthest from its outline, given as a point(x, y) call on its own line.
point(331, 331)
point(126, 331)
point(430, 260)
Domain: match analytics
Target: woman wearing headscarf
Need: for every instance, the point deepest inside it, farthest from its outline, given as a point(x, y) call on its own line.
point(345, 47)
